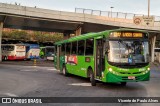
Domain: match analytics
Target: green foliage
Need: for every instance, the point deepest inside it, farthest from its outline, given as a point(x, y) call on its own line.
point(48, 37)
point(19, 35)
point(15, 34)
point(34, 36)
point(38, 36)
point(5, 34)
point(57, 37)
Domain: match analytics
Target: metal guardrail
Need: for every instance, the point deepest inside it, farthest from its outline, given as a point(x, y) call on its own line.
point(111, 14)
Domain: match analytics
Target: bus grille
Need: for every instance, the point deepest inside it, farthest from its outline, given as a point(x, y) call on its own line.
point(130, 73)
point(137, 72)
point(125, 73)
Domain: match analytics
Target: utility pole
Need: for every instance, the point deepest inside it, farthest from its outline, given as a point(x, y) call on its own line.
point(111, 11)
point(148, 8)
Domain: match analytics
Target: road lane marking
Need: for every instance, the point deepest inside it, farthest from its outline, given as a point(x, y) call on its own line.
point(10, 94)
point(80, 84)
point(51, 69)
point(28, 70)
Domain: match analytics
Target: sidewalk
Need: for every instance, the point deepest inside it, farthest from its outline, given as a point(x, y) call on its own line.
point(155, 66)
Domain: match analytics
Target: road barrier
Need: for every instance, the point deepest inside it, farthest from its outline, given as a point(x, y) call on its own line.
point(110, 14)
point(35, 62)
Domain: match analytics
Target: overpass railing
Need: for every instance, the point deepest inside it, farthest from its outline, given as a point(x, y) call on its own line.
point(111, 14)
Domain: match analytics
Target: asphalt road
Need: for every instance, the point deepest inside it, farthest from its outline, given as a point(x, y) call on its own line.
point(30, 81)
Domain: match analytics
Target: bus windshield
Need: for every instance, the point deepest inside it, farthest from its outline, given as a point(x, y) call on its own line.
point(8, 48)
point(49, 51)
point(128, 51)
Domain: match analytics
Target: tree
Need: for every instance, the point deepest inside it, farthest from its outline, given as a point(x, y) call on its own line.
point(6, 34)
point(32, 36)
point(19, 35)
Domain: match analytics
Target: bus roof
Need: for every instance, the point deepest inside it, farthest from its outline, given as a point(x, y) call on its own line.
point(92, 35)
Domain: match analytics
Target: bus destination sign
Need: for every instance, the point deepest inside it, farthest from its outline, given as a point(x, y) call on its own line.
point(126, 34)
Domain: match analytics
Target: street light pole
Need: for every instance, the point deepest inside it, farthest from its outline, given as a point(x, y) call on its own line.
point(111, 11)
point(148, 8)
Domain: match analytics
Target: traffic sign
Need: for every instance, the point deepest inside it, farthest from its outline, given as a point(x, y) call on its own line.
point(144, 20)
point(137, 21)
point(149, 21)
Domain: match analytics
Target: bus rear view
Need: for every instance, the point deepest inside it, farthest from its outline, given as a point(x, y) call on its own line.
point(13, 51)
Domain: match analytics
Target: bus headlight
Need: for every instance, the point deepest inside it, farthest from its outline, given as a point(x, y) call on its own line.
point(145, 72)
point(110, 69)
point(113, 72)
point(148, 69)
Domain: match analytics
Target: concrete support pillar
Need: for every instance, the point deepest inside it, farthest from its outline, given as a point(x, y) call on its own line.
point(159, 57)
point(78, 31)
point(1, 28)
point(153, 41)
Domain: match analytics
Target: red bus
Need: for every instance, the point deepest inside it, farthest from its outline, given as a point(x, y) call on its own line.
point(13, 51)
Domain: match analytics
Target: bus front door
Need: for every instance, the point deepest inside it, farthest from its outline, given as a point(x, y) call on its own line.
point(99, 58)
point(58, 57)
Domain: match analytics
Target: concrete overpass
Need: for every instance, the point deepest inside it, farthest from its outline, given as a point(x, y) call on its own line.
point(30, 18)
point(15, 16)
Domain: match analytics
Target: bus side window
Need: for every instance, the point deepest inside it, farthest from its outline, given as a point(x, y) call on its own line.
point(89, 47)
point(68, 47)
point(81, 47)
point(62, 49)
point(74, 48)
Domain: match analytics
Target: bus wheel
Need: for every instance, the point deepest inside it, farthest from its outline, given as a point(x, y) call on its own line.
point(64, 71)
point(93, 81)
point(123, 83)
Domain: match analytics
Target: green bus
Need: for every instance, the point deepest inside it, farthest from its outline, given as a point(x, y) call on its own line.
point(114, 56)
point(47, 52)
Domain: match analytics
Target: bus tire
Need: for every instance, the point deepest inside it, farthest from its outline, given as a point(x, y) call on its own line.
point(123, 83)
point(92, 79)
point(64, 71)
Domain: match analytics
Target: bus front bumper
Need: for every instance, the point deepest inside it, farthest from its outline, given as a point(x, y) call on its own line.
point(115, 78)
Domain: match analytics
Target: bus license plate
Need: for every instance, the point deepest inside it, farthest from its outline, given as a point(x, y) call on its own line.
point(131, 77)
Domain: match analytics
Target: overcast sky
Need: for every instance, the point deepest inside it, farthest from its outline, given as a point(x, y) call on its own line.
point(129, 6)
